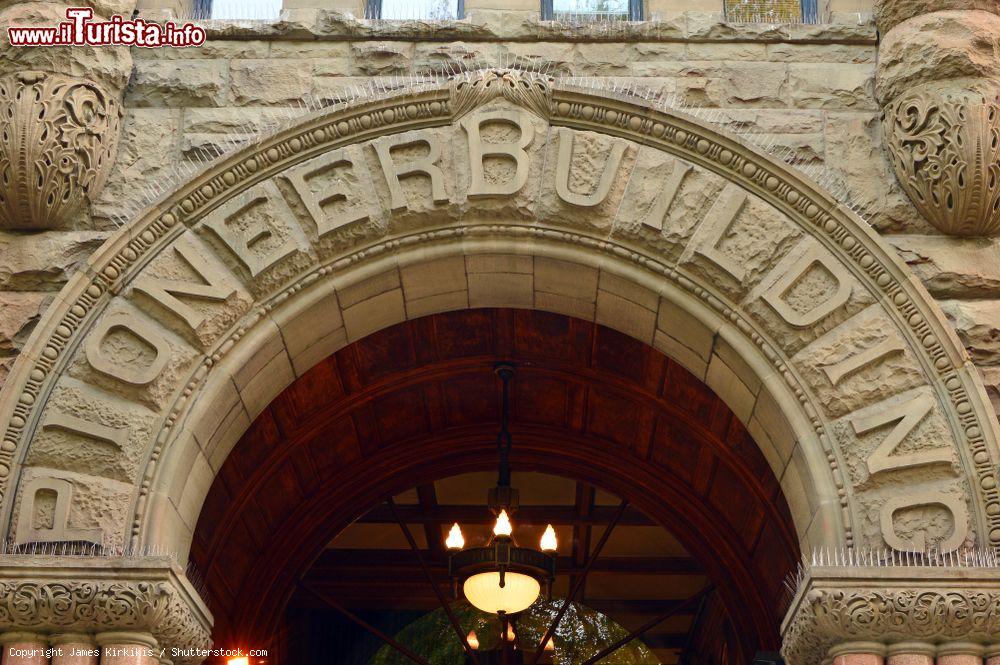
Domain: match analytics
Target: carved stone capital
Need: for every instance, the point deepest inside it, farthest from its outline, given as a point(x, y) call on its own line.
point(888, 605)
point(62, 594)
point(944, 144)
point(58, 140)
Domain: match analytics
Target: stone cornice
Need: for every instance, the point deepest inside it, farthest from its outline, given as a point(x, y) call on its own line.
point(59, 594)
point(480, 26)
point(883, 605)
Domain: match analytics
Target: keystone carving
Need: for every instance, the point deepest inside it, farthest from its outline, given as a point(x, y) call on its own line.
point(58, 139)
point(837, 605)
point(945, 149)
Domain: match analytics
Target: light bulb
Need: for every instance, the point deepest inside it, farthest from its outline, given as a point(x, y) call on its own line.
point(549, 543)
point(455, 539)
point(549, 646)
point(240, 660)
point(503, 527)
point(472, 640)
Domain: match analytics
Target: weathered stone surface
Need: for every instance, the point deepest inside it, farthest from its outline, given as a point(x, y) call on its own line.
point(19, 312)
point(977, 323)
point(108, 66)
point(178, 83)
point(831, 86)
point(890, 13)
point(147, 156)
point(952, 267)
point(734, 84)
point(936, 47)
point(381, 58)
point(269, 82)
point(828, 53)
point(45, 261)
point(435, 57)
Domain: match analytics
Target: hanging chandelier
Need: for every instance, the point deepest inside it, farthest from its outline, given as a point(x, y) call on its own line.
point(502, 578)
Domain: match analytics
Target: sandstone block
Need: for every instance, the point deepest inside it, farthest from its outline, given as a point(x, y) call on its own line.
point(977, 323)
point(179, 83)
point(44, 261)
point(952, 267)
point(890, 13)
point(146, 154)
point(938, 46)
point(381, 58)
point(109, 66)
point(19, 312)
point(265, 82)
point(831, 86)
point(433, 57)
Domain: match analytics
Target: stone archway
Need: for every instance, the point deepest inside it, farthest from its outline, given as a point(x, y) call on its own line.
point(498, 188)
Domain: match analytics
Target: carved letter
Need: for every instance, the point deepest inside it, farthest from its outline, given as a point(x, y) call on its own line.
point(908, 414)
point(59, 531)
point(657, 212)
point(955, 505)
point(335, 191)
point(64, 421)
point(478, 150)
point(716, 225)
point(248, 225)
point(838, 371)
point(218, 283)
point(562, 173)
point(127, 371)
point(420, 165)
point(790, 271)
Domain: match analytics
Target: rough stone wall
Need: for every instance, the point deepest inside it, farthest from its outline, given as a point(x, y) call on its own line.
point(810, 88)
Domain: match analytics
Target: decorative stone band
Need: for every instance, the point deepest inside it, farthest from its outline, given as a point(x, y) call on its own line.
point(838, 607)
point(69, 125)
point(943, 142)
point(59, 594)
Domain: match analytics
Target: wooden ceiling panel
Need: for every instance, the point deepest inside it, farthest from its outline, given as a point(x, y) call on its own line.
point(470, 399)
point(463, 334)
point(613, 416)
point(624, 356)
point(418, 403)
point(542, 335)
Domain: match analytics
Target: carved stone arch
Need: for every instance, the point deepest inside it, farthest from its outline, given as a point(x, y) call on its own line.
point(183, 326)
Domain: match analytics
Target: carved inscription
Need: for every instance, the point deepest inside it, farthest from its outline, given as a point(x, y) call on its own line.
point(352, 203)
point(479, 185)
point(607, 179)
point(249, 236)
point(218, 284)
point(395, 168)
point(128, 370)
point(792, 269)
point(44, 516)
point(250, 226)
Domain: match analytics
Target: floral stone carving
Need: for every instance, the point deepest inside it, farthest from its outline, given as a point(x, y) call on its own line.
point(945, 148)
point(58, 139)
point(841, 605)
point(58, 594)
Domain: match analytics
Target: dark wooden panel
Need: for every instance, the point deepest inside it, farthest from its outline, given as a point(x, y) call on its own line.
point(418, 401)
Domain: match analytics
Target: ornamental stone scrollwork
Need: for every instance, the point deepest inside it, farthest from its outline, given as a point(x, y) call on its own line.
point(835, 605)
point(58, 594)
point(527, 89)
point(938, 81)
point(58, 130)
point(945, 149)
point(58, 139)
